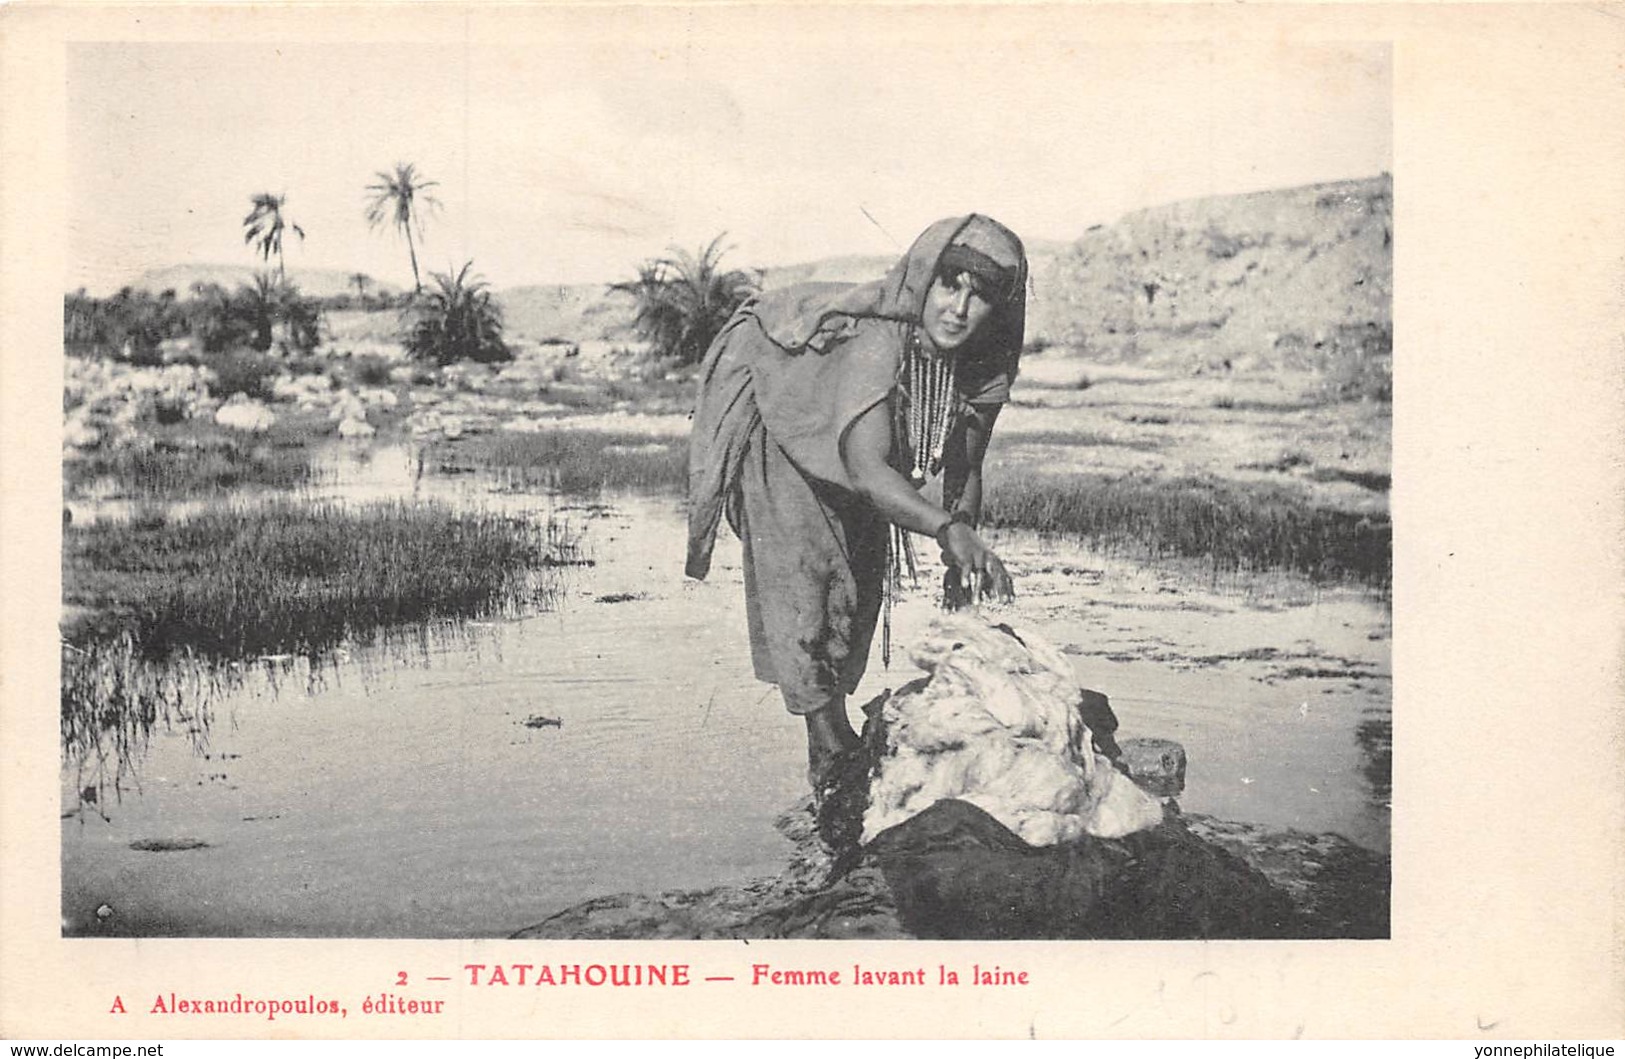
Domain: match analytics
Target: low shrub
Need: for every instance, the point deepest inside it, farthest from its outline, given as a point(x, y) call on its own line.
point(168, 411)
point(249, 374)
point(370, 369)
point(1364, 376)
point(134, 324)
point(1221, 245)
point(683, 300)
point(457, 321)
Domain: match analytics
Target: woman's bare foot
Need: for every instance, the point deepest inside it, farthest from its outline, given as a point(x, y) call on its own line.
point(829, 736)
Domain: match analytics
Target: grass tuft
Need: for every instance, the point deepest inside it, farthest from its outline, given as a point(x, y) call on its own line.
point(578, 462)
point(186, 460)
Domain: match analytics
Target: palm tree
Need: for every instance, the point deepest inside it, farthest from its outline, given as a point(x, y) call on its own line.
point(265, 225)
point(459, 321)
point(360, 280)
point(261, 305)
point(398, 199)
point(683, 300)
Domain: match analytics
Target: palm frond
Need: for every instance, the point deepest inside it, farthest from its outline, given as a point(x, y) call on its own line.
point(397, 196)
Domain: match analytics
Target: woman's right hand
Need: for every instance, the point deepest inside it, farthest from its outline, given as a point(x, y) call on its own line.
point(974, 563)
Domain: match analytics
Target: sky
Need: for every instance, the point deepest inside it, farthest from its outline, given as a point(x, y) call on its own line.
point(577, 151)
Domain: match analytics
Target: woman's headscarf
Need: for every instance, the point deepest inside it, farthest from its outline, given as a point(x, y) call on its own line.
point(820, 314)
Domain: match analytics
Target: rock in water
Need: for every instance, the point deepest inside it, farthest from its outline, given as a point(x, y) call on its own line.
point(998, 725)
point(1156, 765)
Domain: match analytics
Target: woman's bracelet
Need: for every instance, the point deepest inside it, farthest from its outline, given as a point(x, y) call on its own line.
point(942, 530)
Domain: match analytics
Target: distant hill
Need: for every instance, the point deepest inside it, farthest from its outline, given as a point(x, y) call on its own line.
point(586, 312)
point(1294, 277)
point(590, 312)
point(859, 268)
point(850, 268)
point(580, 312)
point(315, 282)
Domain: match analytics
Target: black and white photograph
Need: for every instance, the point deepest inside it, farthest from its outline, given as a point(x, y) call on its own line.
point(552, 476)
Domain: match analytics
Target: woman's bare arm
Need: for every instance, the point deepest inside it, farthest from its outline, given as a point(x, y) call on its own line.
point(962, 463)
point(865, 450)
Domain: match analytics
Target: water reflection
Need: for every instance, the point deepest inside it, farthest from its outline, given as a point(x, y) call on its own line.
point(115, 699)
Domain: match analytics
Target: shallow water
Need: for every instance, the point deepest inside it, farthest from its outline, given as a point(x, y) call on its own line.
point(404, 796)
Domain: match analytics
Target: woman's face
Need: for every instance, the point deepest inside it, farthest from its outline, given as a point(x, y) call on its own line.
point(953, 311)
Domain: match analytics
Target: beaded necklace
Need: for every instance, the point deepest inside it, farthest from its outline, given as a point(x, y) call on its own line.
point(930, 384)
point(925, 423)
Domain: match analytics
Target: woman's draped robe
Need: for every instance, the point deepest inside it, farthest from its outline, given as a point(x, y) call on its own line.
point(780, 387)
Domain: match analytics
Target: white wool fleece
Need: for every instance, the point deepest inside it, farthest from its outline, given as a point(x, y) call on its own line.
point(997, 725)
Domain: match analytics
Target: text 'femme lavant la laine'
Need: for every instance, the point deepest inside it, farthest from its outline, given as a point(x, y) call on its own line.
point(681, 974)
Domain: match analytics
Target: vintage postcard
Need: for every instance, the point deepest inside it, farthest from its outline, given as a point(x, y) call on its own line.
point(801, 521)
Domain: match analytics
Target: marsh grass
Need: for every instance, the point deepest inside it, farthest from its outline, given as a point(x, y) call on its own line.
point(581, 396)
point(1373, 481)
point(296, 578)
point(1376, 481)
point(672, 392)
point(1080, 439)
point(645, 392)
point(199, 458)
point(187, 461)
point(1283, 406)
point(577, 462)
point(1078, 383)
point(1233, 527)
